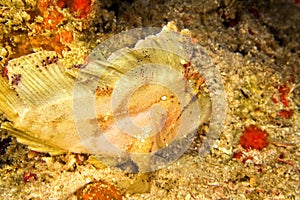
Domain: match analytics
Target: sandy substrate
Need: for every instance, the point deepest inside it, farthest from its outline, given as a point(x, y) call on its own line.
point(254, 45)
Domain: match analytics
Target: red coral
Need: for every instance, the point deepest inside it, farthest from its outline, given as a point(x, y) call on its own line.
point(61, 3)
point(237, 155)
point(79, 8)
point(283, 93)
point(254, 12)
point(5, 71)
point(28, 176)
point(253, 138)
point(247, 158)
point(285, 113)
point(82, 7)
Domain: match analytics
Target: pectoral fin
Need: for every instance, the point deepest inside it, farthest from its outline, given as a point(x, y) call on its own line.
point(33, 143)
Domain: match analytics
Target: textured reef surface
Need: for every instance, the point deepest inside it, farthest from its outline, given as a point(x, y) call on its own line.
point(253, 44)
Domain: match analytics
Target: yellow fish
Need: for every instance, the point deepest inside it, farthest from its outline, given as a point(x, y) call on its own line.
point(134, 103)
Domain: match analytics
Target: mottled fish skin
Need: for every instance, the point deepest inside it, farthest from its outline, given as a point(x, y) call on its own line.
point(38, 100)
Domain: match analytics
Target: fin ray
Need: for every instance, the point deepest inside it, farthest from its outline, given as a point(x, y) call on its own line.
point(32, 142)
point(38, 77)
point(9, 101)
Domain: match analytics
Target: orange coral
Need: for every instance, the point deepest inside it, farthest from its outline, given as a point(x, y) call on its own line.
point(47, 34)
point(52, 18)
point(47, 43)
point(99, 191)
point(253, 138)
point(43, 5)
point(66, 36)
point(21, 46)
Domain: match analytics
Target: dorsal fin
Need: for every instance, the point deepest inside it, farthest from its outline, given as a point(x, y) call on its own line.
point(10, 103)
point(38, 77)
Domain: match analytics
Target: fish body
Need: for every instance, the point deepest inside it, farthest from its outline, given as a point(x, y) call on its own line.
point(120, 105)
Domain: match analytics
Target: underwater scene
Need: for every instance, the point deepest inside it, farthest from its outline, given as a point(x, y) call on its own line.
point(149, 99)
